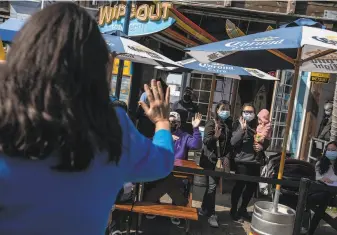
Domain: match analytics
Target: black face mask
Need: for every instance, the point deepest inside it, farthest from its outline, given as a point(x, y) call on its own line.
point(187, 98)
point(173, 127)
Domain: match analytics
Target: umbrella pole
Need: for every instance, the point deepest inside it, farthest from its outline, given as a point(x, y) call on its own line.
point(121, 62)
point(287, 130)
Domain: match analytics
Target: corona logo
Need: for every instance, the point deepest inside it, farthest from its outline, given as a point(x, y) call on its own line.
point(332, 40)
point(265, 39)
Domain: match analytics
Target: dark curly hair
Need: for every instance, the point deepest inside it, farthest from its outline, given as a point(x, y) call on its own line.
point(54, 94)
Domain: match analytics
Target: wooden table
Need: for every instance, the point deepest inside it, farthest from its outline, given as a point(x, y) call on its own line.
point(185, 175)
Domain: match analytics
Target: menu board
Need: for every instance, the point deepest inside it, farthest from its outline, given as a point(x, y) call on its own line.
point(125, 87)
point(126, 79)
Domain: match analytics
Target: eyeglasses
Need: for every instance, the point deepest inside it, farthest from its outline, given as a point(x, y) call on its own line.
point(248, 112)
point(173, 122)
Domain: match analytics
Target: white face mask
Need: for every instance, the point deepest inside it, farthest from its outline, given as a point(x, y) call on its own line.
point(248, 116)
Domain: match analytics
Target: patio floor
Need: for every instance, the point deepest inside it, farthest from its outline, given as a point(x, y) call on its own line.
point(163, 226)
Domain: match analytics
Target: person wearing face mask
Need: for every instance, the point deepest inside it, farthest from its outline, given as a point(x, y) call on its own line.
point(186, 109)
point(216, 144)
point(246, 152)
point(326, 172)
point(174, 187)
point(325, 127)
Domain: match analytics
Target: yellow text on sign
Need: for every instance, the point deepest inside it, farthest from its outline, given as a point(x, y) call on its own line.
point(320, 77)
point(126, 70)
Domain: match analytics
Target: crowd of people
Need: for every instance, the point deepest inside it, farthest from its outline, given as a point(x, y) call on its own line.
point(67, 147)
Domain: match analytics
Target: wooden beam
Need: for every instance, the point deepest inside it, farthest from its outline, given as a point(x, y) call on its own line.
point(227, 3)
point(291, 6)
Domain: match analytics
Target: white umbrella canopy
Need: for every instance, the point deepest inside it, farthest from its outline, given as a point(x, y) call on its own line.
point(127, 49)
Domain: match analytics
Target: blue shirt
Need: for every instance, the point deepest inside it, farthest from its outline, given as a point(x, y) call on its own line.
point(113, 98)
point(35, 200)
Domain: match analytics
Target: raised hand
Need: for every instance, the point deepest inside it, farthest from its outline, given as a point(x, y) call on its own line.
point(159, 106)
point(196, 120)
point(243, 123)
point(217, 131)
point(327, 180)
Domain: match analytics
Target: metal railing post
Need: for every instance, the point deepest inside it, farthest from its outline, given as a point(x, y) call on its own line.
point(301, 204)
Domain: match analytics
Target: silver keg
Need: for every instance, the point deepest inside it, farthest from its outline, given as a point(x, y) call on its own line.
point(267, 222)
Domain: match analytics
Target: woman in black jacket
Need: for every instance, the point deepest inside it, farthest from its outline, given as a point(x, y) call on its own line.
point(245, 152)
point(216, 144)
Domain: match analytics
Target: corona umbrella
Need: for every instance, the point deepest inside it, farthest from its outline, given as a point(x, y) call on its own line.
point(299, 48)
point(190, 65)
point(127, 49)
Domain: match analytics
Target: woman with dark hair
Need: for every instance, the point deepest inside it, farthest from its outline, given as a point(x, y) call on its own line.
point(326, 172)
point(246, 152)
point(65, 153)
point(216, 144)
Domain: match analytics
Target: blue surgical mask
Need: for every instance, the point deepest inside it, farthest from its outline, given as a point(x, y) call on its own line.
point(223, 115)
point(331, 155)
point(248, 116)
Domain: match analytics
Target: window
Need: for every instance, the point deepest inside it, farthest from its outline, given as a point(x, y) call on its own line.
point(202, 86)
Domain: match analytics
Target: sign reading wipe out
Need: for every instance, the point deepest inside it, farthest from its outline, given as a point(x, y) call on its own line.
point(145, 19)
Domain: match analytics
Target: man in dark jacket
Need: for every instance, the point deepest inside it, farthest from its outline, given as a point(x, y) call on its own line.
point(187, 109)
point(325, 127)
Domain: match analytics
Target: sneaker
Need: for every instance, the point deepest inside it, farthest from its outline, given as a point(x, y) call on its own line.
point(234, 215)
point(244, 214)
point(213, 221)
point(201, 212)
point(150, 216)
point(304, 231)
point(175, 221)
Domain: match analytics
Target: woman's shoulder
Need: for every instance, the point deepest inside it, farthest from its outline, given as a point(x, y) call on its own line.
point(210, 123)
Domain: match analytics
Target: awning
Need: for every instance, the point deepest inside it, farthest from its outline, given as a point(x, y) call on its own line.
point(9, 28)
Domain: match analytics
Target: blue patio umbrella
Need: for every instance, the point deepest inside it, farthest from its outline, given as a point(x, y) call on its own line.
point(275, 49)
point(306, 48)
point(190, 65)
point(304, 22)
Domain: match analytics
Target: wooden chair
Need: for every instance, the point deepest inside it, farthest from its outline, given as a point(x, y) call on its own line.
point(166, 210)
